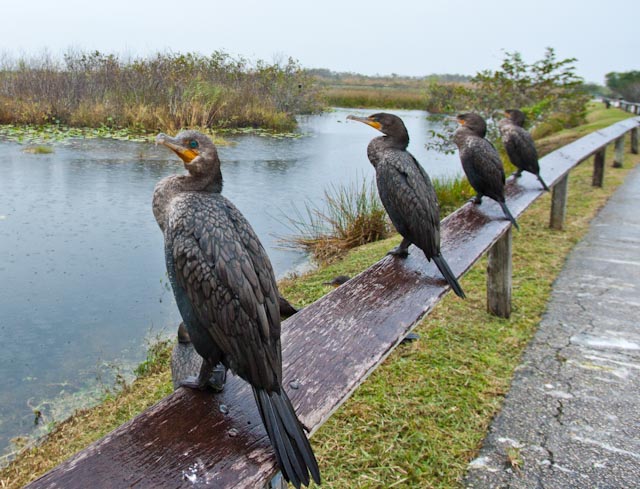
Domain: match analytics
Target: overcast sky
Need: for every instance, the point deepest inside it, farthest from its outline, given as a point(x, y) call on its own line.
point(407, 37)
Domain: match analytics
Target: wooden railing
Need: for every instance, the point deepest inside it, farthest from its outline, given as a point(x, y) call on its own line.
point(329, 349)
point(633, 107)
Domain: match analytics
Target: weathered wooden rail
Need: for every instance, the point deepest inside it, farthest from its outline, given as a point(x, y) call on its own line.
point(633, 107)
point(329, 349)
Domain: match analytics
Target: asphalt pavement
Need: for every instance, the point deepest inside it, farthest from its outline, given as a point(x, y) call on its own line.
point(571, 418)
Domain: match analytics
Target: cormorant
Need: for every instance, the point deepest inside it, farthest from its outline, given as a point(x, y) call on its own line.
point(480, 161)
point(406, 192)
point(226, 292)
point(519, 144)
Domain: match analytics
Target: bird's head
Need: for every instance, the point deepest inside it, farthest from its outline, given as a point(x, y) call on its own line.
point(195, 149)
point(388, 124)
point(475, 123)
point(516, 116)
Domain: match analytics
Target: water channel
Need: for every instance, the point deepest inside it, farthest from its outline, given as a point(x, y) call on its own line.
point(82, 274)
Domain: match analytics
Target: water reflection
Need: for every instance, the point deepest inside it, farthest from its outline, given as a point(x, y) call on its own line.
point(82, 278)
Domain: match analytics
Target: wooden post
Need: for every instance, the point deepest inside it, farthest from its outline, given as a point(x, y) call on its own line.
point(634, 139)
point(619, 156)
point(499, 276)
point(559, 203)
point(598, 169)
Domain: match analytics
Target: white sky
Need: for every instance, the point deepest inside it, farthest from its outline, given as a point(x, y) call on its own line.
point(407, 37)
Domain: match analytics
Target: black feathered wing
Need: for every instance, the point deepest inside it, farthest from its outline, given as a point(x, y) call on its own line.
point(408, 196)
point(483, 167)
point(521, 149)
point(229, 283)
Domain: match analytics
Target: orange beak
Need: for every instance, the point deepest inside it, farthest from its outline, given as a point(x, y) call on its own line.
point(186, 154)
point(367, 120)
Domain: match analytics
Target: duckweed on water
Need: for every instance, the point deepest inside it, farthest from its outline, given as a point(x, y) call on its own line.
point(265, 133)
point(36, 136)
point(58, 133)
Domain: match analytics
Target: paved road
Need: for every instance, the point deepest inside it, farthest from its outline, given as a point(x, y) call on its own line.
point(572, 416)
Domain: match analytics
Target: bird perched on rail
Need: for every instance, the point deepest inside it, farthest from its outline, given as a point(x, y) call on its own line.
point(519, 144)
point(226, 292)
point(481, 162)
point(406, 192)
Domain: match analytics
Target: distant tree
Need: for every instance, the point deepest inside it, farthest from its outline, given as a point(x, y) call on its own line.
point(596, 90)
point(626, 84)
point(548, 88)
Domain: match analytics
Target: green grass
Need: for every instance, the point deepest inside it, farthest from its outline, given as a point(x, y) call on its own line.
point(452, 193)
point(598, 117)
point(421, 416)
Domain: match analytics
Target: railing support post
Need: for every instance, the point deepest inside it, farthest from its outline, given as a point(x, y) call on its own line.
point(559, 203)
point(619, 156)
point(634, 139)
point(499, 277)
point(598, 169)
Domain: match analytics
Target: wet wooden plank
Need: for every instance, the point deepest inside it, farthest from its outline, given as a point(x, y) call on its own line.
point(329, 349)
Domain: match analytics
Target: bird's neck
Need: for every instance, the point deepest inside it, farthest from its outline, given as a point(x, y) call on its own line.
point(170, 187)
point(209, 182)
point(378, 145)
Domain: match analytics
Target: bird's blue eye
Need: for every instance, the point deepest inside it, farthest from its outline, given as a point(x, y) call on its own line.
point(193, 143)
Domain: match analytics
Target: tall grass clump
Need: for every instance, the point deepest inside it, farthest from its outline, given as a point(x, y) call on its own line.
point(453, 192)
point(166, 91)
point(352, 215)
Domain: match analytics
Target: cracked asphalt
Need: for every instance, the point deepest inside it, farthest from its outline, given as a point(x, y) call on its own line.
point(572, 416)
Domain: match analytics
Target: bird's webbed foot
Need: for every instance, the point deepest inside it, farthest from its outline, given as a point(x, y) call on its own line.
point(399, 252)
point(402, 250)
point(210, 377)
point(517, 173)
point(477, 200)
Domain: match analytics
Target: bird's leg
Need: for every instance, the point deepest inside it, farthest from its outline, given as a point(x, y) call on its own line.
point(402, 250)
point(211, 376)
point(517, 173)
point(477, 200)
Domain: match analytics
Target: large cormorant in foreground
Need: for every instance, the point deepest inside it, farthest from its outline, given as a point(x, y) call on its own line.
point(406, 192)
point(481, 162)
point(226, 292)
point(519, 144)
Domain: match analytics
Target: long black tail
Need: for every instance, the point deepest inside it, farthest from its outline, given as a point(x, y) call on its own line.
point(293, 451)
point(448, 275)
point(544, 185)
point(507, 213)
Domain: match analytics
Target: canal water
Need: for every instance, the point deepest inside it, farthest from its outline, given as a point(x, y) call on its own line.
point(83, 286)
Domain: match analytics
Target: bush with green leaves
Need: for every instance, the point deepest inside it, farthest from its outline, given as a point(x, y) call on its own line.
point(548, 91)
